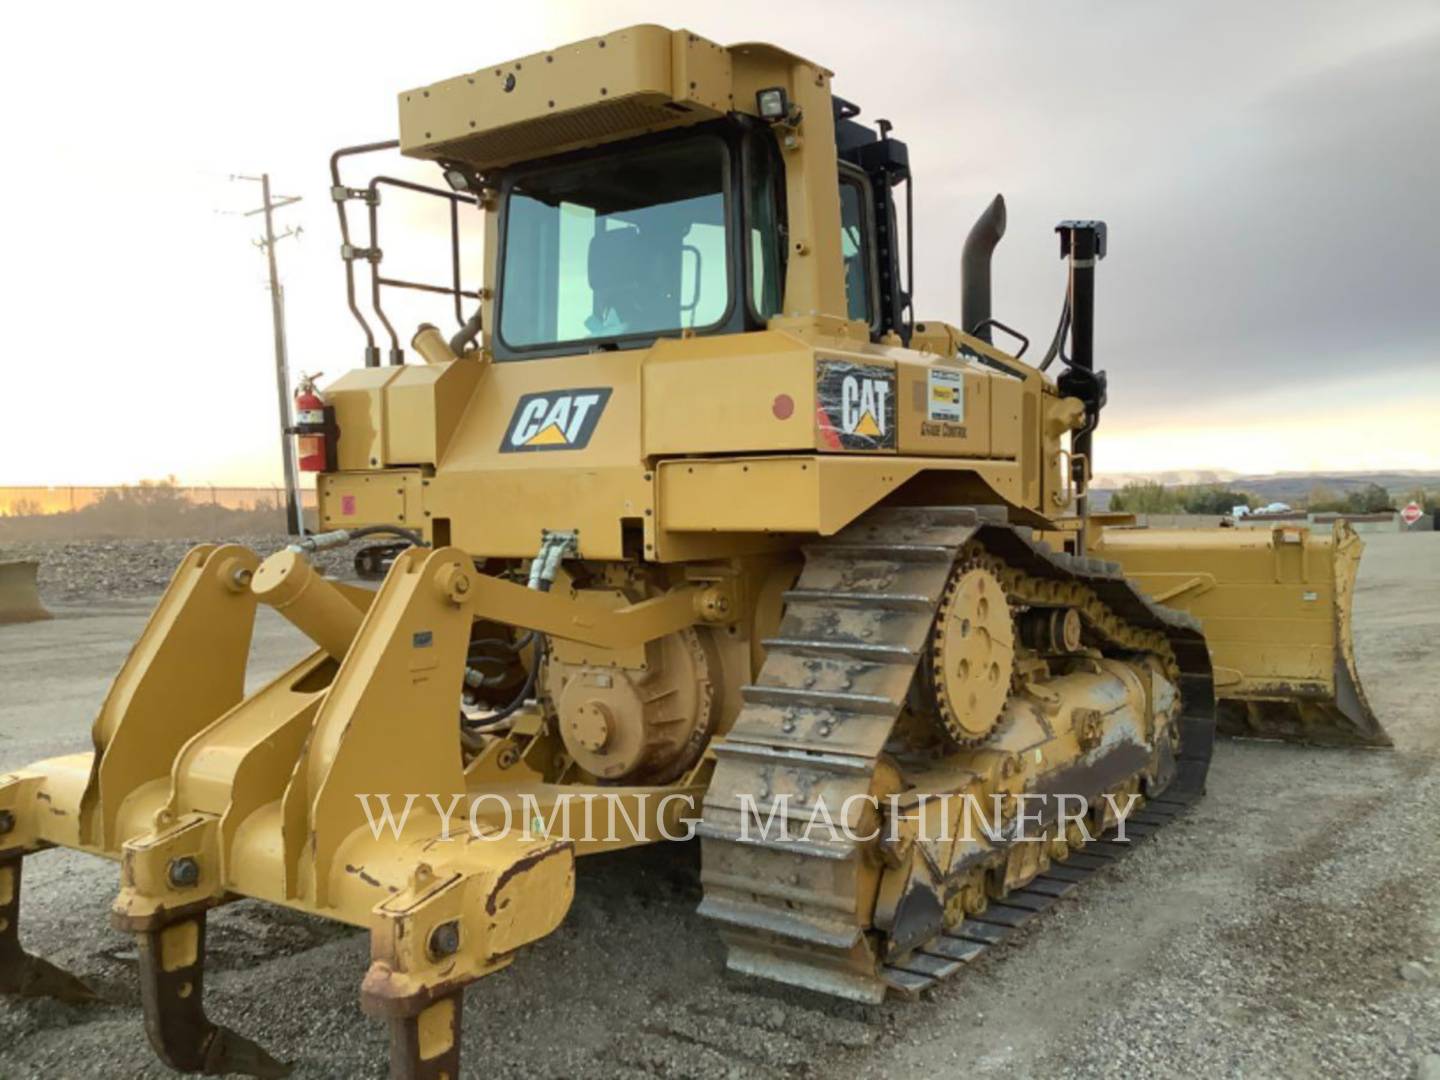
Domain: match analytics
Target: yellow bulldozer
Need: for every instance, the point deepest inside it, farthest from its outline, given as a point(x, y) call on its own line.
point(690, 526)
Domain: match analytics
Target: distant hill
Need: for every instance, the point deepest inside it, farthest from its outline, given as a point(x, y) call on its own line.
point(1173, 478)
point(1288, 487)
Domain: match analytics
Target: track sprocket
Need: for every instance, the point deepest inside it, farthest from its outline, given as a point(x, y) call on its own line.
point(971, 659)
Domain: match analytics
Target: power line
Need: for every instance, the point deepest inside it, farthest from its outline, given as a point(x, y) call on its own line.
point(294, 514)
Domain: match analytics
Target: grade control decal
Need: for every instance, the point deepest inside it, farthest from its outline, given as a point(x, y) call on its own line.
point(944, 403)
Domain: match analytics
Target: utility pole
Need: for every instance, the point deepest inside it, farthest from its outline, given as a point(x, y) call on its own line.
point(294, 510)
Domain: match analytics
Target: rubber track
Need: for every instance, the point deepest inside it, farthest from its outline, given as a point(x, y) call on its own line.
point(817, 718)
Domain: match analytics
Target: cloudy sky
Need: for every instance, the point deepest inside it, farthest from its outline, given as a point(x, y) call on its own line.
point(1270, 172)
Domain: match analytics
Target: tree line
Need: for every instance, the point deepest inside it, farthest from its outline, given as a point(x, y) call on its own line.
point(1150, 497)
point(149, 509)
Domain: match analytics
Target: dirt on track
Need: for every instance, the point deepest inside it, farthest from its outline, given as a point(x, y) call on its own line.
point(1264, 934)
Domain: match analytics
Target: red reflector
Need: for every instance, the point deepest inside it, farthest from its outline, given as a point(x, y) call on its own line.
point(783, 407)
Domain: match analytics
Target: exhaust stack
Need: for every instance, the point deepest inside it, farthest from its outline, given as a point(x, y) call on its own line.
point(988, 230)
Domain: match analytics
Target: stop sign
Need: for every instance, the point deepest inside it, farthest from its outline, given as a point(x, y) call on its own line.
point(1411, 513)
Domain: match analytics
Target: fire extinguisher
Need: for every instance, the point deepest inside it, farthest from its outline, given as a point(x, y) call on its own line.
point(314, 426)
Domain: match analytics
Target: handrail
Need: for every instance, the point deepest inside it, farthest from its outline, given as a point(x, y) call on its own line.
point(375, 253)
point(341, 194)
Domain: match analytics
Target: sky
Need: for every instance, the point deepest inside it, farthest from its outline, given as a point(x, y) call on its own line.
point(1270, 174)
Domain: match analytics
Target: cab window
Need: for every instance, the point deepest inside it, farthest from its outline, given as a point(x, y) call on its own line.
point(764, 233)
point(855, 249)
point(623, 244)
point(766, 243)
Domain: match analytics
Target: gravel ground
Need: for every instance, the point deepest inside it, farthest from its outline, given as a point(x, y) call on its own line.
point(107, 569)
point(1288, 926)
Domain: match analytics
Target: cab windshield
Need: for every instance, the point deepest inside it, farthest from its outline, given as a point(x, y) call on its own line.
point(615, 246)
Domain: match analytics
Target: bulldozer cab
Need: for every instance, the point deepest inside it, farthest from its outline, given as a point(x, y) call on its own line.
point(691, 190)
point(680, 233)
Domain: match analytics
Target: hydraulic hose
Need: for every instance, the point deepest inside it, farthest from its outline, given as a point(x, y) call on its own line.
point(554, 548)
point(518, 702)
point(340, 537)
point(1057, 343)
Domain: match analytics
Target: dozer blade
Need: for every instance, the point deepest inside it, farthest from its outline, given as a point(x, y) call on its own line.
point(1276, 605)
point(19, 595)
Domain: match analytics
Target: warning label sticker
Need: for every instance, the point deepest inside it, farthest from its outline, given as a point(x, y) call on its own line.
point(946, 396)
